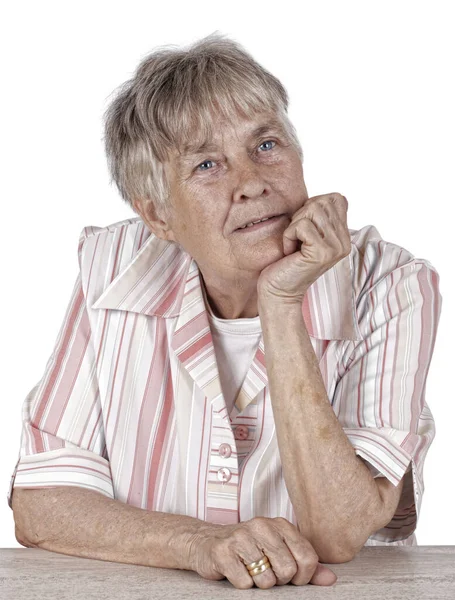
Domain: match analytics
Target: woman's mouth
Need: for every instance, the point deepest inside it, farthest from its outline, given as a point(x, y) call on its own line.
point(270, 222)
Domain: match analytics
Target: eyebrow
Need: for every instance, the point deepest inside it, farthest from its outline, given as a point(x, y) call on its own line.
point(190, 151)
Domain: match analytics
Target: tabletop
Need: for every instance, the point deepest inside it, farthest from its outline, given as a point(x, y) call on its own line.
point(405, 572)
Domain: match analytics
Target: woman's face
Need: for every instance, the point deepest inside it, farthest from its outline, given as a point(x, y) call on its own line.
point(241, 177)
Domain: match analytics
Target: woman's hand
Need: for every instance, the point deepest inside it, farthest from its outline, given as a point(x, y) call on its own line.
point(219, 551)
point(315, 240)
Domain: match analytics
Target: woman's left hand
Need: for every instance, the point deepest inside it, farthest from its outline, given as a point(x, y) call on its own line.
point(315, 240)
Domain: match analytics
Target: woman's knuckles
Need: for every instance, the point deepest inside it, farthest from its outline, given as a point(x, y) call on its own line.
point(226, 552)
point(284, 573)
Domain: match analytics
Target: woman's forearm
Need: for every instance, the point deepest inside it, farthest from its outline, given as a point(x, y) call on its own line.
point(79, 522)
point(335, 497)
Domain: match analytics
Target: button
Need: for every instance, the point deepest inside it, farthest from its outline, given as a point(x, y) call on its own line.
point(241, 432)
point(225, 450)
point(224, 474)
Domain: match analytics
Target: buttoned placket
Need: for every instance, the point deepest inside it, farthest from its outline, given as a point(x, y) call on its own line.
point(225, 465)
point(241, 432)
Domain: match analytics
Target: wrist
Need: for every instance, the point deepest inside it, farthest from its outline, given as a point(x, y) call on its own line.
point(271, 304)
point(193, 540)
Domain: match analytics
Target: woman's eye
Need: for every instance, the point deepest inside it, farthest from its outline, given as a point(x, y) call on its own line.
point(203, 163)
point(210, 161)
point(267, 142)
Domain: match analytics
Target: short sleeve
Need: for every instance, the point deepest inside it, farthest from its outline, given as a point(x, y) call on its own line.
point(62, 437)
point(379, 398)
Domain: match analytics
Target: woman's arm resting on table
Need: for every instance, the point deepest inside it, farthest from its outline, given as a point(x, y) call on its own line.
point(79, 522)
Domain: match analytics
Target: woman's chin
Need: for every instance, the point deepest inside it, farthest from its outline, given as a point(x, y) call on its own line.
point(264, 253)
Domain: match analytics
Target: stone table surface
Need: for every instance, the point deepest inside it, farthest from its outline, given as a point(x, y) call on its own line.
point(413, 572)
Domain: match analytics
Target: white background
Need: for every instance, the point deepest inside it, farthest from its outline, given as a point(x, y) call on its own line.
point(372, 98)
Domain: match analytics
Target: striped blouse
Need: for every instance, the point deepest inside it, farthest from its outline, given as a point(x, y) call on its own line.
point(130, 403)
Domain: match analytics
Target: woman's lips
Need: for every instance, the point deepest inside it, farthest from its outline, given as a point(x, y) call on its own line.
point(262, 225)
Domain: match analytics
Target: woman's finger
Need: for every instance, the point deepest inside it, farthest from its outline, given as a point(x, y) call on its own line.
point(299, 234)
point(251, 552)
point(337, 228)
point(303, 552)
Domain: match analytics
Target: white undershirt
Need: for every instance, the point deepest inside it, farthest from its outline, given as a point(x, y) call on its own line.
point(235, 342)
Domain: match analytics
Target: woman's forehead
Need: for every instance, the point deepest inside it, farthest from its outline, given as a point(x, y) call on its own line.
point(209, 139)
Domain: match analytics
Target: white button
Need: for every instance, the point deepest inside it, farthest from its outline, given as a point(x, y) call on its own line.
point(225, 450)
point(224, 474)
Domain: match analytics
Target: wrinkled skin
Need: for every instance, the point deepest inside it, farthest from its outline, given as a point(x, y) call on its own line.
point(223, 551)
point(315, 240)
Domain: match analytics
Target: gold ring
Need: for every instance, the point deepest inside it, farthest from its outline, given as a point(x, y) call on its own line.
point(259, 566)
point(260, 569)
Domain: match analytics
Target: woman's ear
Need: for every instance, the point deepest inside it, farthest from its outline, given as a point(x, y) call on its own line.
point(156, 222)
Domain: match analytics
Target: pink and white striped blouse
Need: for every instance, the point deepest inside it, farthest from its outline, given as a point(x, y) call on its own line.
point(130, 404)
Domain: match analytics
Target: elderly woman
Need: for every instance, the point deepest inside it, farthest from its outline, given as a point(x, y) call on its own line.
point(238, 385)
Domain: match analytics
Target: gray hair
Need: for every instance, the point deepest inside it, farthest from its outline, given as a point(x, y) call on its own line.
point(173, 102)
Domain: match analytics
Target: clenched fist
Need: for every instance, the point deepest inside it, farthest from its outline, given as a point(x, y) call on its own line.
point(314, 241)
point(219, 551)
